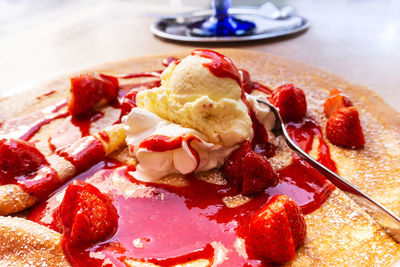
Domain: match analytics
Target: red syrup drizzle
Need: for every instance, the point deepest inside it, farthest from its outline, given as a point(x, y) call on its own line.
point(104, 136)
point(308, 183)
point(176, 224)
point(40, 184)
point(83, 123)
point(128, 95)
point(25, 127)
point(220, 65)
point(169, 60)
point(83, 153)
point(260, 142)
point(156, 74)
point(72, 129)
point(161, 143)
point(46, 94)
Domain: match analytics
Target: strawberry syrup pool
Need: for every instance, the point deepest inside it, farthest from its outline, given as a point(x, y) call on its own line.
point(169, 225)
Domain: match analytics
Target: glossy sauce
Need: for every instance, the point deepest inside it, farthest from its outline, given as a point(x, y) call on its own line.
point(72, 129)
point(40, 184)
point(307, 186)
point(46, 94)
point(169, 225)
point(25, 127)
point(162, 143)
point(156, 74)
point(83, 153)
point(220, 65)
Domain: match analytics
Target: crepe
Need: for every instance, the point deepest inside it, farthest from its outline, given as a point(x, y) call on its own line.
point(339, 232)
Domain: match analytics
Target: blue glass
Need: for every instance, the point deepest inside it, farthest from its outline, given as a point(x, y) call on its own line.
point(222, 23)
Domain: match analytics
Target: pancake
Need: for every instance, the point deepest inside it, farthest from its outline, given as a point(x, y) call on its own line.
point(339, 232)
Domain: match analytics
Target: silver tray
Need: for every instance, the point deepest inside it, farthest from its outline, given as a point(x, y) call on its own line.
point(173, 27)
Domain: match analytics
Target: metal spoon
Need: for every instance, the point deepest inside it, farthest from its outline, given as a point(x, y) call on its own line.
point(389, 222)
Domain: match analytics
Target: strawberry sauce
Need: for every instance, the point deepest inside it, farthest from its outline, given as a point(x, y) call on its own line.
point(169, 225)
point(162, 143)
point(83, 153)
point(220, 65)
point(25, 127)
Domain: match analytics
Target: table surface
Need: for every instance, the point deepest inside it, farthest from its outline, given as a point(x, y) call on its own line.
point(357, 40)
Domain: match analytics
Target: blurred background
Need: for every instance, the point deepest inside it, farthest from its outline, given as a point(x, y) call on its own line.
point(356, 39)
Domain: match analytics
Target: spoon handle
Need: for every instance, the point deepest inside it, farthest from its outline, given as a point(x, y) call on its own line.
point(385, 218)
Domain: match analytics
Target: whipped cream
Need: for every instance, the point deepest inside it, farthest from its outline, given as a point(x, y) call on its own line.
point(195, 154)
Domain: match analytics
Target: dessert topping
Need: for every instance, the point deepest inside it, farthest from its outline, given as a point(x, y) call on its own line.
point(162, 147)
point(89, 91)
point(291, 102)
point(87, 216)
point(257, 174)
point(336, 100)
point(248, 171)
point(344, 128)
point(83, 153)
point(233, 164)
point(277, 229)
point(192, 95)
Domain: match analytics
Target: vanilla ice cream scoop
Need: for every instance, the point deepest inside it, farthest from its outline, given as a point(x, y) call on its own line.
point(202, 92)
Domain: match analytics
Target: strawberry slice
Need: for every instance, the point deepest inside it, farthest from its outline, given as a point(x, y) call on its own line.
point(89, 91)
point(257, 174)
point(87, 215)
point(344, 128)
point(336, 101)
point(18, 158)
point(233, 164)
point(291, 102)
point(276, 230)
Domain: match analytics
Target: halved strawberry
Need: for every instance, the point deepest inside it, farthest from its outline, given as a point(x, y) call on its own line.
point(257, 174)
point(276, 230)
point(233, 164)
point(291, 102)
point(344, 128)
point(336, 101)
point(87, 215)
point(89, 91)
point(18, 158)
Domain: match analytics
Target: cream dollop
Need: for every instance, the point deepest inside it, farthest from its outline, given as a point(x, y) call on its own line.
point(194, 154)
